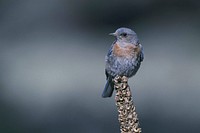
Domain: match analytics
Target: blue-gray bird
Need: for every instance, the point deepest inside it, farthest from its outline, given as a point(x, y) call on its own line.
point(123, 59)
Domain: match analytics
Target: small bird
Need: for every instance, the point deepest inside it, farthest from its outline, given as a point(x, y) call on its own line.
point(123, 59)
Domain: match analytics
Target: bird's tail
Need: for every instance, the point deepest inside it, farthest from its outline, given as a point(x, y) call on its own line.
point(108, 90)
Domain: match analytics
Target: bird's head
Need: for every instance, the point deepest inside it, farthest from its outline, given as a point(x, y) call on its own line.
point(125, 35)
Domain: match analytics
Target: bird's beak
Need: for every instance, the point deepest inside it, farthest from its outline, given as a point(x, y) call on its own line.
point(113, 34)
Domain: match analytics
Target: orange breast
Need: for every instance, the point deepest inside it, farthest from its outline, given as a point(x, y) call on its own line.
point(127, 51)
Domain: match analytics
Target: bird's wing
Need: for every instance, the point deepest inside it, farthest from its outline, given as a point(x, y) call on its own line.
point(107, 56)
point(107, 75)
point(141, 53)
point(111, 49)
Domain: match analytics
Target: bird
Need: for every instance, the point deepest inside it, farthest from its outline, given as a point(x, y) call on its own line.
point(123, 58)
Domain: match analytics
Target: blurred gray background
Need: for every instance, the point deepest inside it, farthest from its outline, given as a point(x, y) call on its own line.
point(52, 65)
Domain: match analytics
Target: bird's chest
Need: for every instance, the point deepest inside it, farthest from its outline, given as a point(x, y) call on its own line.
point(128, 51)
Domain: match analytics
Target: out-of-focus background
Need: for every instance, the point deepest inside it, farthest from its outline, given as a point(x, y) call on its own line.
point(52, 65)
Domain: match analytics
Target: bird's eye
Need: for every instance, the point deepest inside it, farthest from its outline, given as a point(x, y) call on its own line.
point(124, 34)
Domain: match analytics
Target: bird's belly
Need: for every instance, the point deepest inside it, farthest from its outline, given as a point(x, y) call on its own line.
point(124, 67)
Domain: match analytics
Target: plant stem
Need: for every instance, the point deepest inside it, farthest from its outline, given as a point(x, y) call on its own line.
point(127, 117)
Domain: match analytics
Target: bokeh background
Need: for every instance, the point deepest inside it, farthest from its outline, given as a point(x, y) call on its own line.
point(52, 65)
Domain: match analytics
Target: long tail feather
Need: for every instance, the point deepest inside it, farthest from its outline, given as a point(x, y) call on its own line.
point(108, 90)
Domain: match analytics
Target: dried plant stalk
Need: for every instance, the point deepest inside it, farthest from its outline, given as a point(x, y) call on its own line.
point(128, 120)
